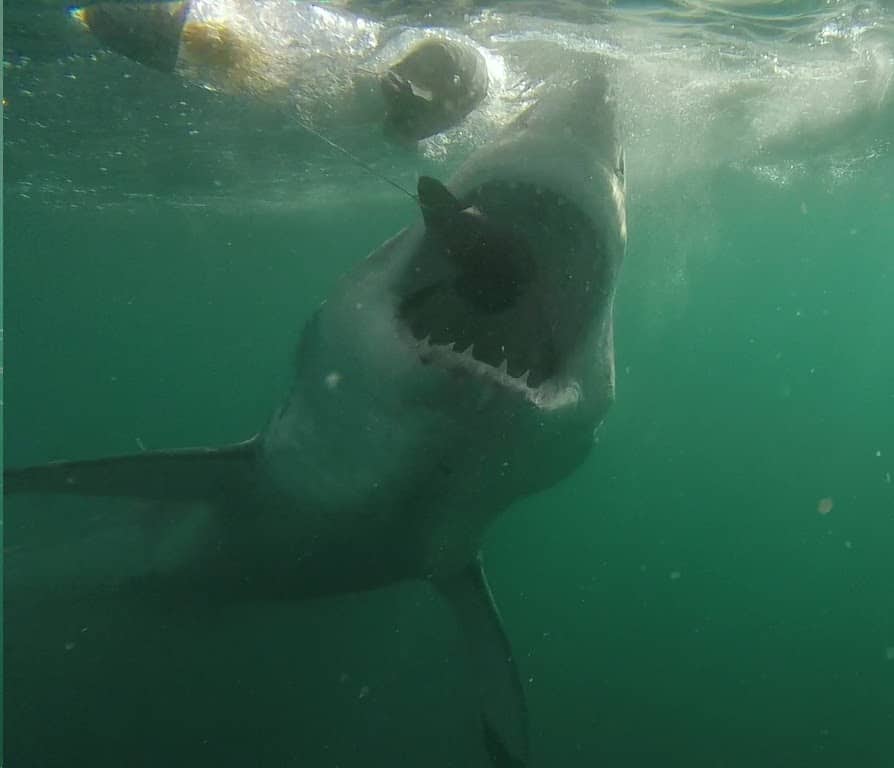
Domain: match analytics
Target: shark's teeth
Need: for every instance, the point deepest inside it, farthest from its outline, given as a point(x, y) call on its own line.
point(545, 396)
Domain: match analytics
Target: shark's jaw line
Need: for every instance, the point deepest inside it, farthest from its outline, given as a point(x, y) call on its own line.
point(547, 396)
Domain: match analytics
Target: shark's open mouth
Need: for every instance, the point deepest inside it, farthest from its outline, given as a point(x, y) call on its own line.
point(504, 288)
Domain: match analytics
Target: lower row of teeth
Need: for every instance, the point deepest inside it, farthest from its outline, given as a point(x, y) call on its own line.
point(467, 356)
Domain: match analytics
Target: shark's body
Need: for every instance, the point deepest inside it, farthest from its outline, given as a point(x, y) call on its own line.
point(405, 433)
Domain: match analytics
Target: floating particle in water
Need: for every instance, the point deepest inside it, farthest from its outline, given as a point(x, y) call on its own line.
point(803, 208)
point(364, 692)
point(889, 653)
point(848, 545)
point(69, 646)
point(333, 379)
point(674, 575)
point(825, 505)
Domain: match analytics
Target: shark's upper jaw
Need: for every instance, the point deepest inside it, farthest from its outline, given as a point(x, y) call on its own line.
point(505, 288)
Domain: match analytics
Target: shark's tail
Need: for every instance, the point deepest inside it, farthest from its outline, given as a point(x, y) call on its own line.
point(191, 474)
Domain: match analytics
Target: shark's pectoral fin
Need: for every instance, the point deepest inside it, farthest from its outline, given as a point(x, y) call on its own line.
point(192, 474)
point(504, 716)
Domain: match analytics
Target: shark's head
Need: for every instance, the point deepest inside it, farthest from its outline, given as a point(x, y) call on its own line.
point(512, 277)
point(488, 323)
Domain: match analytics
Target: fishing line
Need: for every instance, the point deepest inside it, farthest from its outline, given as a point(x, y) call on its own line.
point(368, 168)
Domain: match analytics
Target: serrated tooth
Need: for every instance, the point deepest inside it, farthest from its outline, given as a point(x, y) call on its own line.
point(504, 367)
point(524, 377)
point(427, 340)
point(451, 346)
point(470, 352)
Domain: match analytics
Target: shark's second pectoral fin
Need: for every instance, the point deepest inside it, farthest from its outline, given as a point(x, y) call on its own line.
point(192, 474)
point(504, 716)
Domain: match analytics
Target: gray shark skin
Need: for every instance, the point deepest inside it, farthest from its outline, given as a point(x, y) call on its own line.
point(461, 366)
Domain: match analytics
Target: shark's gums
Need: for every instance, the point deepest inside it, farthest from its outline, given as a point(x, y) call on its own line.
point(461, 366)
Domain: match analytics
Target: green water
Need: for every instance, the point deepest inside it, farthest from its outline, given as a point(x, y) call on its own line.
point(681, 601)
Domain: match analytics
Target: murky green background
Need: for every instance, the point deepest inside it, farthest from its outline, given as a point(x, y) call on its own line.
point(681, 601)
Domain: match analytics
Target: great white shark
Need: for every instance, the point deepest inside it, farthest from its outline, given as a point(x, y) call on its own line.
point(461, 366)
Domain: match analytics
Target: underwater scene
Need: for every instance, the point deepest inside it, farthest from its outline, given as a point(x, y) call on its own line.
point(456, 384)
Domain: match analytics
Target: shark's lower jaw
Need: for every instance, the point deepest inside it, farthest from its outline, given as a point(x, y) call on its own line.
point(549, 395)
